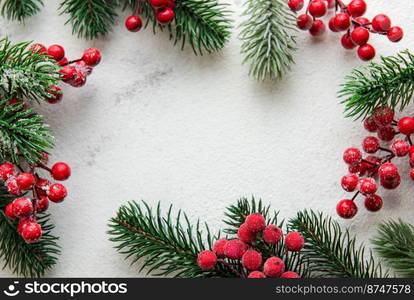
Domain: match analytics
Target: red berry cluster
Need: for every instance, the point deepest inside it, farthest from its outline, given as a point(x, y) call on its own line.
point(163, 10)
point(364, 172)
point(244, 249)
point(347, 18)
point(24, 209)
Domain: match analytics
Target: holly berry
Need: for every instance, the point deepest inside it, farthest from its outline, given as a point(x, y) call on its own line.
point(366, 52)
point(346, 209)
point(400, 148)
point(386, 133)
point(57, 52)
point(318, 28)
point(331, 3)
point(256, 274)
point(296, 5)
point(381, 23)
point(406, 125)
point(234, 249)
point(290, 274)
point(158, 3)
point(22, 207)
point(272, 234)
point(331, 25)
point(352, 156)
point(391, 184)
point(362, 21)
point(341, 22)
point(317, 8)
point(304, 22)
point(370, 144)
point(383, 115)
point(56, 94)
point(347, 42)
point(273, 267)
point(165, 16)
point(367, 186)
point(255, 222)
point(370, 125)
point(42, 204)
point(206, 260)
point(388, 172)
point(64, 61)
point(57, 192)
point(22, 224)
point(25, 181)
point(92, 57)
point(133, 23)
point(83, 68)
point(251, 260)
point(294, 241)
point(38, 48)
point(80, 79)
point(373, 203)
point(360, 36)
point(60, 171)
point(31, 232)
point(357, 8)
point(68, 73)
point(6, 170)
point(218, 247)
point(12, 186)
point(245, 235)
point(9, 212)
point(349, 182)
point(395, 34)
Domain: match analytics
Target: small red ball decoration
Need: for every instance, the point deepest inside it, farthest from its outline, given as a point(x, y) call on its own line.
point(206, 260)
point(92, 57)
point(133, 23)
point(273, 267)
point(294, 241)
point(57, 52)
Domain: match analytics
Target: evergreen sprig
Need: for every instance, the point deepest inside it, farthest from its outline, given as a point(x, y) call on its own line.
point(331, 251)
point(20, 10)
point(28, 260)
point(267, 36)
point(394, 243)
point(389, 82)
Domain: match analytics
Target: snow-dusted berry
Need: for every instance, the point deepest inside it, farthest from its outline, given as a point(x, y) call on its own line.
point(218, 247)
point(245, 235)
point(255, 222)
point(234, 249)
point(272, 234)
point(252, 260)
point(273, 267)
point(294, 241)
point(206, 260)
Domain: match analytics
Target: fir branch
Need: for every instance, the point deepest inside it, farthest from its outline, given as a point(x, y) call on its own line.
point(28, 260)
point(90, 18)
point(389, 82)
point(167, 247)
point(331, 251)
point(25, 74)
point(267, 36)
point(20, 10)
point(394, 243)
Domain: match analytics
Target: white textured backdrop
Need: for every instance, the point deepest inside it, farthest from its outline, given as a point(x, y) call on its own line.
point(157, 123)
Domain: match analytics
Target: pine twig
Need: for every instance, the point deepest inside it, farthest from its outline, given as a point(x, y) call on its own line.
point(394, 243)
point(389, 82)
point(267, 36)
point(20, 10)
point(331, 251)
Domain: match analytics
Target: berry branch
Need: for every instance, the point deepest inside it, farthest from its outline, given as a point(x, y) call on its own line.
point(267, 36)
point(20, 10)
point(387, 83)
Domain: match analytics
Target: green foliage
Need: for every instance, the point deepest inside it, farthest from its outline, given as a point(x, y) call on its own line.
point(388, 82)
point(394, 243)
point(331, 251)
point(28, 260)
point(20, 10)
point(90, 18)
point(267, 36)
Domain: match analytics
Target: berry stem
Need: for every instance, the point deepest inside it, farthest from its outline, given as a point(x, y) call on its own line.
point(385, 149)
point(71, 62)
point(40, 165)
point(354, 197)
point(230, 266)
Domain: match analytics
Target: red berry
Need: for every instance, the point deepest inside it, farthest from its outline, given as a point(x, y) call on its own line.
point(12, 186)
point(318, 28)
point(370, 125)
point(133, 23)
point(38, 48)
point(347, 42)
point(42, 204)
point(383, 115)
point(63, 61)
point(400, 148)
point(92, 57)
point(234, 249)
point(331, 25)
point(353, 169)
point(255, 222)
point(80, 79)
point(256, 274)
point(57, 52)
point(273, 267)
point(366, 52)
point(360, 36)
point(367, 186)
point(290, 274)
point(245, 235)
point(22, 224)
point(22, 207)
point(406, 125)
point(31, 232)
point(42, 185)
point(317, 8)
point(165, 16)
point(381, 23)
point(60, 171)
point(342, 21)
point(9, 212)
point(362, 21)
point(218, 247)
point(386, 133)
point(296, 5)
point(83, 68)
point(25, 181)
point(350, 182)
point(357, 8)
point(331, 3)
point(388, 172)
point(391, 184)
point(6, 170)
point(304, 22)
point(57, 192)
point(411, 151)
point(395, 34)
point(352, 156)
point(68, 73)
point(17, 104)
point(370, 144)
point(272, 234)
point(412, 173)
point(373, 203)
point(56, 94)
point(206, 260)
point(252, 260)
point(294, 241)
point(370, 163)
point(171, 4)
point(346, 209)
point(158, 3)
